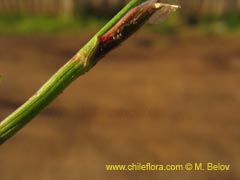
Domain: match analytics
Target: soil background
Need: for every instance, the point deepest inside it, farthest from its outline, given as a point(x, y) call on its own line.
point(162, 99)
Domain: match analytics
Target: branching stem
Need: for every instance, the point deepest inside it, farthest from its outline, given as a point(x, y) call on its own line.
point(75, 67)
point(124, 24)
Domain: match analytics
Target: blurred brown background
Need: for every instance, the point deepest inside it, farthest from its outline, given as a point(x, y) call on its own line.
point(169, 95)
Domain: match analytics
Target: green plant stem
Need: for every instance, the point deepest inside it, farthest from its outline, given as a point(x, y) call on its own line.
point(75, 67)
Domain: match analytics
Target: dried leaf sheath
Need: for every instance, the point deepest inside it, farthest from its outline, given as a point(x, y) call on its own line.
point(131, 22)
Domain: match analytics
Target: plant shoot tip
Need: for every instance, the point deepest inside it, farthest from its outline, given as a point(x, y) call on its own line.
point(173, 7)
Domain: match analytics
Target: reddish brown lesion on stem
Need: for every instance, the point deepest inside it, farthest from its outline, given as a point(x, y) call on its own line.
point(129, 24)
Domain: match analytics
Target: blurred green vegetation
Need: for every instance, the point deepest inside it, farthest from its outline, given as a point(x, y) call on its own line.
point(208, 24)
point(26, 24)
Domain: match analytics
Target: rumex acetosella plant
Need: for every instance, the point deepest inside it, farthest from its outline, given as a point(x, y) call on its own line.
point(135, 14)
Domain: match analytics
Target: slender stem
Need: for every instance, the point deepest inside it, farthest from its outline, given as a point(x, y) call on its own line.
point(75, 67)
